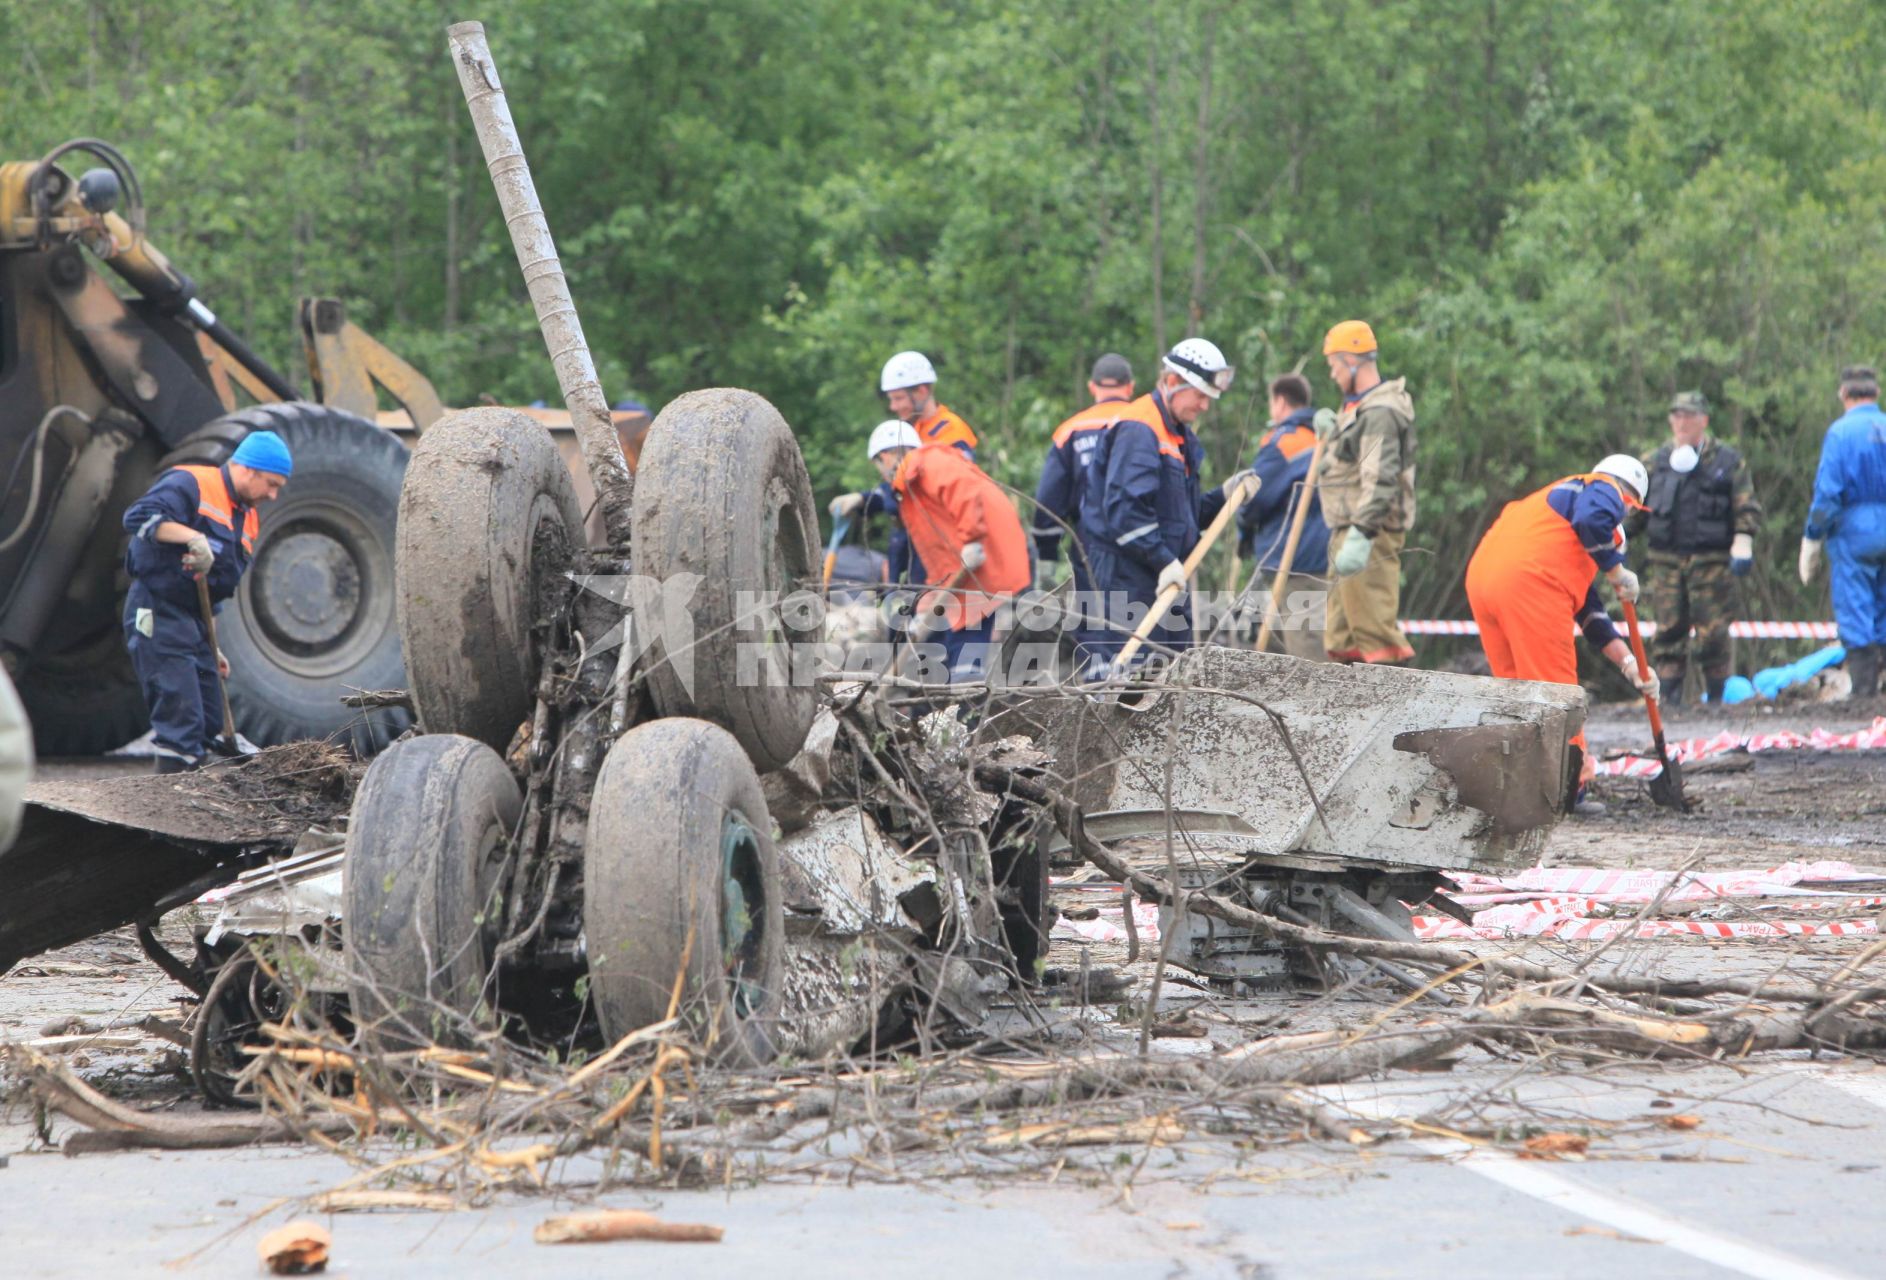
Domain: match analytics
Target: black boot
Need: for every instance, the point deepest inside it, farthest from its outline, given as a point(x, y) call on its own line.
point(173, 764)
point(1863, 668)
point(1714, 688)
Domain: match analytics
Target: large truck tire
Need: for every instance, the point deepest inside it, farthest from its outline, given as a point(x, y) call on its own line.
point(680, 874)
point(315, 616)
point(427, 840)
point(86, 701)
point(489, 525)
point(722, 493)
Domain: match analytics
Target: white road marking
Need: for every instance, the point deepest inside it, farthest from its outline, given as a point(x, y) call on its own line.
point(1868, 1086)
point(1540, 1181)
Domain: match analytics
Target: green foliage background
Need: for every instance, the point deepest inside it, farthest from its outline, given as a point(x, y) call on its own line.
point(1555, 215)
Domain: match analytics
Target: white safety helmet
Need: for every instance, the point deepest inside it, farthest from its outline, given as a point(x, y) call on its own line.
point(907, 369)
point(1201, 364)
point(1627, 469)
point(895, 434)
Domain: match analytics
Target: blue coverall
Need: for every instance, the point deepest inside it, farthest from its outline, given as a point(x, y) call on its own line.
point(1849, 513)
point(163, 619)
point(1066, 473)
point(1264, 523)
point(1144, 509)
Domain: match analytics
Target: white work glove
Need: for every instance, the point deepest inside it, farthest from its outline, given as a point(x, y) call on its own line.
point(1741, 555)
point(1646, 682)
point(222, 665)
point(1325, 423)
point(846, 505)
point(1353, 556)
point(1173, 575)
point(197, 556)
point(1624, 583)
point(1247, 478)
point(973, 556)
point(1810, 559)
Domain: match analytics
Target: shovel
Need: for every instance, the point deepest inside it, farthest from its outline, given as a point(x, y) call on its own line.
point(209, 620)
point(1666, 788)
point(1289, 557)
point(1163, 601)
point(920, 628)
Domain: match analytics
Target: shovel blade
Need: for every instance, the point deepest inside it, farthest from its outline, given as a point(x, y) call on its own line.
point(1666, 788)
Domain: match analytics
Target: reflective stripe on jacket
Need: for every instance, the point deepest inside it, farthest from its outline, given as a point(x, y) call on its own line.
point(1066, 472)
point(200, 497)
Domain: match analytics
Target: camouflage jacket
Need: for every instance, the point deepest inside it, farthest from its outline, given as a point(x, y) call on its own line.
point(1368, 478)
point(1700, 511)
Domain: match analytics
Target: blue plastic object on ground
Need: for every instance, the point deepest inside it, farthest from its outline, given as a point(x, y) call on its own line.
point(1771, 681)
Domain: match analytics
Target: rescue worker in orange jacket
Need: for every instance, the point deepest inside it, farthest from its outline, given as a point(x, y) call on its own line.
point(1535, 573)
point(908, 385)
point(193, 523)
point(967, 536)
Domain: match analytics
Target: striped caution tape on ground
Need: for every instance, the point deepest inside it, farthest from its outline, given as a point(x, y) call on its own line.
point(1741, 630)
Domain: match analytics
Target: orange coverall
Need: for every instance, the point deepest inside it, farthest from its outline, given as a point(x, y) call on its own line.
point(946, 501)
point(1530, 578)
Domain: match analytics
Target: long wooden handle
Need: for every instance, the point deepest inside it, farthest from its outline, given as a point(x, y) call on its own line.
point(1164, 599)
point(1643, 667)
point(216, 656)
point(1290, 547)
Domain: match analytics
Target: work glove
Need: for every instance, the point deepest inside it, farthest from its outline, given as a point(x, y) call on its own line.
point(1173, 575)
point(197, 556)
point(1810, 559)
point(1624, 582)
point(973, 556)
point(846, 505)
point(1646, 682)
point(1246, 477)
point(1353, 556)
point(1741, 555)
point(1325, 423)
point(222, 665)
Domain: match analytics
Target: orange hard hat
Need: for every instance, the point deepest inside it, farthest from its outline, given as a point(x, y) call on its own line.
point(1352, 336)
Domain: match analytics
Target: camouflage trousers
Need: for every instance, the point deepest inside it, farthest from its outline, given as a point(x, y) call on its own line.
point(1685, 592)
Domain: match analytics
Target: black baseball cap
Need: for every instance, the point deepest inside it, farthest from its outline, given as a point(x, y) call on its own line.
point(1112, 370)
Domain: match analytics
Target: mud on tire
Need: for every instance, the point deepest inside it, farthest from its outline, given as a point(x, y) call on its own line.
point(488, 523)
point(722, 493)
point(426, 845)
point(680, 872)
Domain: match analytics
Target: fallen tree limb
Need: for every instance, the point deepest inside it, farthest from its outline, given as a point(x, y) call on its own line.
point(115, 1126)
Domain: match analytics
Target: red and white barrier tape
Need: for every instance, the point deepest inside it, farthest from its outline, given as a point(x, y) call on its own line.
point(1693, 749)
point(1583, 903)
point(1741, 630)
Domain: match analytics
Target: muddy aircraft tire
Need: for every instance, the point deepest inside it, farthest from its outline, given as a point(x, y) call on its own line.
point(680, 848)
point(315, 614)
point(488, 526)
point(426, 846)
point(722, 493)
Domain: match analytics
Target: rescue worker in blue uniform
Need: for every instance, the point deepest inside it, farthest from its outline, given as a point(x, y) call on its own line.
point(1145, 504)
point(1848, 520)
point(1064, 478)
point(1282, 466)
point(194, 522)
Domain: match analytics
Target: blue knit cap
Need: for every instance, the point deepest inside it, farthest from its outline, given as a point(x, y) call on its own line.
point(264, 451)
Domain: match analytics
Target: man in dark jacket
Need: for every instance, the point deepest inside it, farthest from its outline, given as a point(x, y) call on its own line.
point(1701, 516)
point(1144, 505)
point(193, 523)
point(1282, 465)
